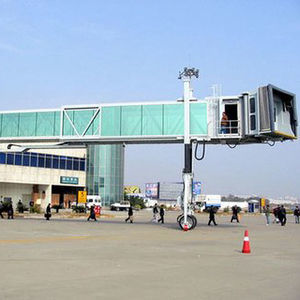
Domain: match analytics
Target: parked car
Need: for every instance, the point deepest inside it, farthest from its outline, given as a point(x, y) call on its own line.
point(123, 205)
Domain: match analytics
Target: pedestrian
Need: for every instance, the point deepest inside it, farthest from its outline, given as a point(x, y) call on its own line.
point(92, 214)
point(282, 215)
point(267, 214)
point(1, 209)
point(20, 207)
point(162, 214)
point(155, 213)
point(31, 206)
point(297, 214)
point(130, 215)
point(235, 212)
point(48, 212)
point(212, 212)
point(275, 212)
point(224, 123)
point(10, 211)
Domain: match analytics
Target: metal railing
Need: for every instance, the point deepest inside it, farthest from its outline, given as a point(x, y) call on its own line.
point(232, 127)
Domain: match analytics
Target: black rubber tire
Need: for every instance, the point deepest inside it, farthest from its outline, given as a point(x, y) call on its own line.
point(190, 222)
point(195, 221)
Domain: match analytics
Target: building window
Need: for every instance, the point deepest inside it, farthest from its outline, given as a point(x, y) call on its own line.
point(2, 158)
point(55, 162)
point(82, 164)
point(26, 157)
point(10, 158)
point(41, 161)
point(18, 159)
point(33, 160)
point(75, 164)
point(62, 162)
point(69, 163)
point(48, 161)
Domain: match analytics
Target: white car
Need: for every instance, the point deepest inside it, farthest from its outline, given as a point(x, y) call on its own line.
point(123, 205)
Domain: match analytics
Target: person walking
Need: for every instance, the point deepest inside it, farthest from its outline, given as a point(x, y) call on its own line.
point(1, 209)
point(155, 213)
point(162, 215)
point(267, 214)
point(48, 212)
point(212, 212)
point(282, 215)
point(235, 212)
point(297, 214)
point(92, 214)
point(130, 215)
point(10, 211)
point(275, 212)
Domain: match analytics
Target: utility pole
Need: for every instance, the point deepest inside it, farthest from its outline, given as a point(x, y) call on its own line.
point(186, 76)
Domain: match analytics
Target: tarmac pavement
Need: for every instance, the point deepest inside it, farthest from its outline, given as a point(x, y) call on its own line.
point(109, 259)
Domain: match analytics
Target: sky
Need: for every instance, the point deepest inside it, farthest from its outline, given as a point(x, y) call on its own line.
point(55, 53)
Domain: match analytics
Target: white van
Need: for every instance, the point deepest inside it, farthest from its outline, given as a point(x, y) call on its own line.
point(93, 201)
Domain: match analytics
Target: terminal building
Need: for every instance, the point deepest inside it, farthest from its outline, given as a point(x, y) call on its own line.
point(55, 176)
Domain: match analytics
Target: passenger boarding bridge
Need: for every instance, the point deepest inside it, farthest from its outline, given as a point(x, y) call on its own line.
point(265, 115)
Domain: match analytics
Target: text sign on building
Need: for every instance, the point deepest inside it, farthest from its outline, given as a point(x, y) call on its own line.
point(82, 195)
point(68, 180)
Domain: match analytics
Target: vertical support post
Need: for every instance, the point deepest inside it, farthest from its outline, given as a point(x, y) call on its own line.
point(186, 76)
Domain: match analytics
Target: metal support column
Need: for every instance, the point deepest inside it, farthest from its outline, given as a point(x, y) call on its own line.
point(186, 76)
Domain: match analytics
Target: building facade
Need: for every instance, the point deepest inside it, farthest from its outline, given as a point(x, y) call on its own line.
point(56, 176)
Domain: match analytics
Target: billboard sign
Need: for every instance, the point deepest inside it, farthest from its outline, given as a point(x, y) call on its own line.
point(152, 190)
point(197, 188)
point(170, 190)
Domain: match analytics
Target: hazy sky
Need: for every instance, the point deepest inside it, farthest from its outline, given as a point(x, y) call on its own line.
point(55, 53)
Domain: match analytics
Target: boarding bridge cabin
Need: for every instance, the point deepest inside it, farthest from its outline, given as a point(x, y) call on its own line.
point(266, 114)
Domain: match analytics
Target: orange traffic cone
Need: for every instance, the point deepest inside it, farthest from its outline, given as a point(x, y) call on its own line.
point(246, 245)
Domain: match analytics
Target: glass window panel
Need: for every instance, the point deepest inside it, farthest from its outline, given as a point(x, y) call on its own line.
point(33, 160)
point(75, 164)
point(2, 158)
point(252, 105)
point(26, 157)
point(62, 162)
point(18, 159)
point(48, 161)
point(41, 160)
point(252, 122)
point(82, 164)
point(69, 163)
point(55, 161)
point(10, 158)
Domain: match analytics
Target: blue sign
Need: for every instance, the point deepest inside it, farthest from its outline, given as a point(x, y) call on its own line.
point(151, 190)
point(197, 188)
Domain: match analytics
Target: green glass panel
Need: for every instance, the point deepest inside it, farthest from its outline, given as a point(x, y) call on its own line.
point(198, 115)
point(131, 120)
point(95, 127)
point(27, 124)
point(10, 125)
point(57, 123)
point(82, 119)
point(111, 121)
point(1, 124)
point(45, 123)
point(67, 127)
point(173, 119)
point(152, 120)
